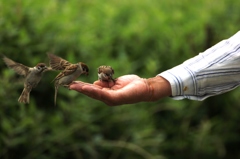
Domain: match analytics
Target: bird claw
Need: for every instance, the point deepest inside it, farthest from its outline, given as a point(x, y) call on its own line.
point(66, 86)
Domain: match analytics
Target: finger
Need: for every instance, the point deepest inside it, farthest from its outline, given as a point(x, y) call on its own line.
point(94, 91)
point(88, 89)
point(77, 85)
point(107, 84)
point(78, 82)
point(98, 93)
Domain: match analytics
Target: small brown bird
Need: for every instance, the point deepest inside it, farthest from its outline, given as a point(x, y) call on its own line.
point(32, 76)
point(105, 73)
point(70, 72)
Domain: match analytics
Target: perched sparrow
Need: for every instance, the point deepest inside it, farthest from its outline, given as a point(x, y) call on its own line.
point(105, 73)
point(32, 76)
point(70, 71)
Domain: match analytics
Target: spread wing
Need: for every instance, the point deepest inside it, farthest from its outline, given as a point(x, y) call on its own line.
point(17, 67)
point(69, 70)
point(57, 63)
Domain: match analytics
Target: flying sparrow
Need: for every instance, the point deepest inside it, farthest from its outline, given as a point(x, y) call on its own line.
point(105, 73)
point(32, 76)
point(70, 71)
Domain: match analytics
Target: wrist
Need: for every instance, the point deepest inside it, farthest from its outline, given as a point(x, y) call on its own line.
point(159, 87)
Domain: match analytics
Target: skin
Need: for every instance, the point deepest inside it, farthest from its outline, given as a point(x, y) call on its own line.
point(127, 89)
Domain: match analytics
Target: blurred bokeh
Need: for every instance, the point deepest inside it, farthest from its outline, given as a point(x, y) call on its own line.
point(143, 37)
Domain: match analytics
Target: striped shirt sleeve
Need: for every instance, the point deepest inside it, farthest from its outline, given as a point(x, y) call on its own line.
point(213, 72)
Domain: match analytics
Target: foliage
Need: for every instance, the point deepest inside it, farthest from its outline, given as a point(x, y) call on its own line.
point(146, 37)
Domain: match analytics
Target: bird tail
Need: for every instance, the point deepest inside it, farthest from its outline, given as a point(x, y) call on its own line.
point(24, 97)
point(55, 95)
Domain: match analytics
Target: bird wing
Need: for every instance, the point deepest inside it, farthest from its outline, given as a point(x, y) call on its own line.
point(100, 68)
point(69, 70)
point(17, 67)
point(57, 63)
point(107, 69)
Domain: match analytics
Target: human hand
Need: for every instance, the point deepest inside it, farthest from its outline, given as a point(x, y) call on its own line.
point(126, 89)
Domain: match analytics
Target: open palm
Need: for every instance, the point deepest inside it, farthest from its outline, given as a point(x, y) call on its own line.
point(125, 90)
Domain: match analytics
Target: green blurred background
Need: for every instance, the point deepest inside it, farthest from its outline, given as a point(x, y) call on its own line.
point(143, 37)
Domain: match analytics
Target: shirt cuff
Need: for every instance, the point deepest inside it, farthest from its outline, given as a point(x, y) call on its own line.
point(182, 81)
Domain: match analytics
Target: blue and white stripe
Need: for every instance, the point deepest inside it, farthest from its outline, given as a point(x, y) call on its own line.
point(213, 72)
